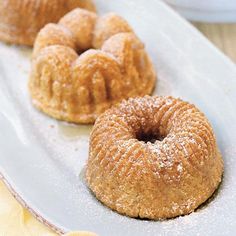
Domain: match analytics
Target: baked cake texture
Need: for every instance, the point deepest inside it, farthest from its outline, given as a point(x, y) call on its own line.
point(20, 20)
point(86, 63)
point(153, 157)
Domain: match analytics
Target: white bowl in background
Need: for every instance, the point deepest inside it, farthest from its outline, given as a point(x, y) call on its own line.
point(43, 161)
point(207, 10)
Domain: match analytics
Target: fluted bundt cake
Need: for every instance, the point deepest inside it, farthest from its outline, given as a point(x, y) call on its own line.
point(112, 65)
point(153, 157)
point(20, 20)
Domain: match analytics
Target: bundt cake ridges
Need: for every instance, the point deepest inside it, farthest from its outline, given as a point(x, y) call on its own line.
point(153, 180)
point(21, 20)
point(107, 26)
point(94, 80)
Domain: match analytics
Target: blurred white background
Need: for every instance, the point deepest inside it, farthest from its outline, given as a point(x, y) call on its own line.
point(206, 10)
point(216, 19)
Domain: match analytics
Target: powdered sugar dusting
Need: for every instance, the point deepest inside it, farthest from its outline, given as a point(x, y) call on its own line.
point(170, 54)
point(127, 165)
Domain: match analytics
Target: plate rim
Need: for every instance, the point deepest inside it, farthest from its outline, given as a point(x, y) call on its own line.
point(23, 203)
point(60, 229)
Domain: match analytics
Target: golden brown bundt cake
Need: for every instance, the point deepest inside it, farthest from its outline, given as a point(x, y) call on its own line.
point(20, 20)
point(77, 88)
point(153, 157)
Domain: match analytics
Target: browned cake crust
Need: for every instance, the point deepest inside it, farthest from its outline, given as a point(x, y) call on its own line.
point(77, 88)
point(154, 180)
point(20, 20)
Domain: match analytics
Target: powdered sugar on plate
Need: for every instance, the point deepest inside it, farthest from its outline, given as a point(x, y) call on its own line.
point(53, 158)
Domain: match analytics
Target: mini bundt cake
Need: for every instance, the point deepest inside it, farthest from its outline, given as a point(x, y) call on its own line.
point(112, 65)
point(20, 20)
point(153, 157)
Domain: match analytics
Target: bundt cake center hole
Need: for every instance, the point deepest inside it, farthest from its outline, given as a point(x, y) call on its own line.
point(149, 137)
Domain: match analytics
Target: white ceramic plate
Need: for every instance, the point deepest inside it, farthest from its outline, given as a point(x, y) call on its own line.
point(42, 159)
